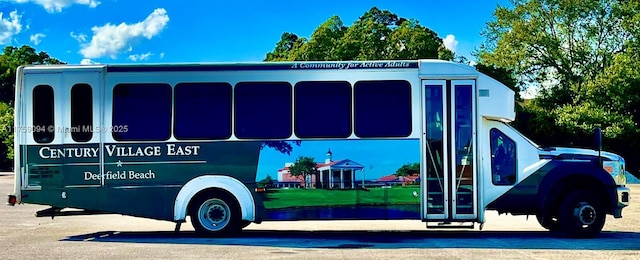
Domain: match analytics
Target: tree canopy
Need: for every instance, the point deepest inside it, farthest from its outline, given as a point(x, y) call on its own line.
point(584, 58)
point(408, 169)
point(376, 35)
point(556, 45)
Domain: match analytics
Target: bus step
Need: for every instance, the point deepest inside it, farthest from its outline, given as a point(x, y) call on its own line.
point(444, 225)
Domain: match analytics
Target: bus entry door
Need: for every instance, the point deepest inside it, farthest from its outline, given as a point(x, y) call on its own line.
point(449, 187)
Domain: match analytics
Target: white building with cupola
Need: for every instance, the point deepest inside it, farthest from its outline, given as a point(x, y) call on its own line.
point(330, 174)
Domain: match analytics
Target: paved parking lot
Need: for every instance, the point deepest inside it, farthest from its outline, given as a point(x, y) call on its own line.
point(24, 236)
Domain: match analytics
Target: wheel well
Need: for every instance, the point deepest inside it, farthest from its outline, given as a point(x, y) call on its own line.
point(570, 183)
point(215, 192)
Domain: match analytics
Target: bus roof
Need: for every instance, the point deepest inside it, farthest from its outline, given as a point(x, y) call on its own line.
point(425, 66)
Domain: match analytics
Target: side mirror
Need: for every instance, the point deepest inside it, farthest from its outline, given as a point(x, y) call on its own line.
point(597, 143)
point(597, 139)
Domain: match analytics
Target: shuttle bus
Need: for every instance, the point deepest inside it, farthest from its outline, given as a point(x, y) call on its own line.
point(229, 144)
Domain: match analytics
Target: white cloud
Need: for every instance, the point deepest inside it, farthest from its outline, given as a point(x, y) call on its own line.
point(80, 37)
point(37, 38)
point(110, 40)
point(450, 42)
point(140, 57)
point(9, 26)
point(161, 55)
point(88, 62)
point(53, 6)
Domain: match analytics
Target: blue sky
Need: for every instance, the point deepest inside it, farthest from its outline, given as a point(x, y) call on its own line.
point(127, 31)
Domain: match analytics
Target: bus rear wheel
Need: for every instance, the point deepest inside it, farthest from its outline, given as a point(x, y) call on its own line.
point(215, 216)
point(581, 214)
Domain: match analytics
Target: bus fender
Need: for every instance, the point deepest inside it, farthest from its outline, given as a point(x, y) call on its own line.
point(578, 175)
point(232, 185)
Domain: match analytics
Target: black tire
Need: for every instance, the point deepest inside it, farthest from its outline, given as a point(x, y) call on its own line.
point(215, 215)
point(581, 214)
point(548, 222)
point(244, 224)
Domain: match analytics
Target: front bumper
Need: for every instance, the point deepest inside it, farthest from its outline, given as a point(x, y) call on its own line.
point(624, 194)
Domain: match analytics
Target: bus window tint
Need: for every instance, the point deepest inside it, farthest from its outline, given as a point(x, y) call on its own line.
point(202, 111)
point(43, 119)
point(328, 102)
point(81, 113)
point(503, 158)
point(263, 110)
point(382, 108)
point(141, 112)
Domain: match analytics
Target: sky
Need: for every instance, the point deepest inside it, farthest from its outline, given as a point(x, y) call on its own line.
point(163, 31)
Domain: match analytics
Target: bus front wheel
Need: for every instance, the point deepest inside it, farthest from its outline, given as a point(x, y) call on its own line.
point(215, 216)
point(581, 214)
point(548, 222)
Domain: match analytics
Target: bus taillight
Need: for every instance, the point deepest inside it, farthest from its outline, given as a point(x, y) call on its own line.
point(12, 200)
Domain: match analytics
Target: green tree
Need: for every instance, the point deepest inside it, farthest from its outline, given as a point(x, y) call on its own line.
point(304, 168)
point(267, 182)
point(376, 35)
point(408, 169)
point(6, 135)
point(614, 105)
point(584, 56)
point(284, 147)
point(556, 45)
point(324, 41)
point(287, 48)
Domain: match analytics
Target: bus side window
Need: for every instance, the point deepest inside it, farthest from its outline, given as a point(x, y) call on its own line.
point(503, 158)
point(141, 112)
point(81, 112)
point(263, 110)
point(330, 100)
point(43, 114)
point(382, 108)
point(202, 111)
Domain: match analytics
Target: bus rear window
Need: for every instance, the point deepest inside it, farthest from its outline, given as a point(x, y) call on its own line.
point(382, 108)
point(141, 112)
point(263, 110)
point(323, 109)
point(43, 111)
point(202, 111)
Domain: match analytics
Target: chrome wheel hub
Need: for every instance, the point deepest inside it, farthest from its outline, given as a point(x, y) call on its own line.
point(585, 214)
point(213, 214)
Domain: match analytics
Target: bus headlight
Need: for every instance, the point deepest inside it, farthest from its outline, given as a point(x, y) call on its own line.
point(616, 169)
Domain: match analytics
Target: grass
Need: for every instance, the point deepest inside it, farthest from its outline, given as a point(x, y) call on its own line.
point(288, 198)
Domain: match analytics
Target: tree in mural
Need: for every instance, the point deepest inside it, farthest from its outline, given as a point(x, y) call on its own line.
point(304, 168)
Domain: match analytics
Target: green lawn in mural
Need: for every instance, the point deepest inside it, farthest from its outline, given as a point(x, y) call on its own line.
point(291, 198)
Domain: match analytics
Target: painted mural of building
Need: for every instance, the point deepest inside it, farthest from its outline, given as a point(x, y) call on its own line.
point(330, 174)
point(392, 179)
